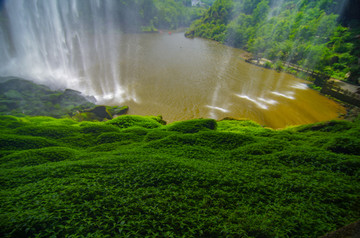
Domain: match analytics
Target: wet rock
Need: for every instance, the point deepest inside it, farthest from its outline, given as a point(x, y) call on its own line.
point(100, 112)
point(20, 96)
point(118, 110)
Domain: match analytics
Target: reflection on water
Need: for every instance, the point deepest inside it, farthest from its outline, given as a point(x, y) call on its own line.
point(181, 78)
point(78, 44)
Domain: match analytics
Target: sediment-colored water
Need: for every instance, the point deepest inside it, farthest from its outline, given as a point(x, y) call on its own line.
point(182, 78)
point(78, 45)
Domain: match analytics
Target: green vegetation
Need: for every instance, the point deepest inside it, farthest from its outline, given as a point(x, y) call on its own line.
point(151, 15)
point(134, 176)
point(21, 97)
point(312, 34)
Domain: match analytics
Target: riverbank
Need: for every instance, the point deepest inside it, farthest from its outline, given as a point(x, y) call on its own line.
point(352, 110)
point(87, 177)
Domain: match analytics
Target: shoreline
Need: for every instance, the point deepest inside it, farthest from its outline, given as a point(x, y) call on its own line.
point(352, 111)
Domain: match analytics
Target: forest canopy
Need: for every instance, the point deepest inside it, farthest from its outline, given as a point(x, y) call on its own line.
point(318, 35)
point(151, 15)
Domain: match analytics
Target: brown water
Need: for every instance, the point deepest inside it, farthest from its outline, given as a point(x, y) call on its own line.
point(179, 78)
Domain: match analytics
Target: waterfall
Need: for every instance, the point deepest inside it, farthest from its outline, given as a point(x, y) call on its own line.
point(63, 44)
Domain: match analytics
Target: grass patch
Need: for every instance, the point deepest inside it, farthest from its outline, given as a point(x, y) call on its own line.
point(134, 176)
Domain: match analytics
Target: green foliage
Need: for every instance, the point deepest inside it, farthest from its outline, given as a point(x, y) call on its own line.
point(156, 135)
point(38, 156)
point(192, 126)
point(136, 130)
point(129, 121)
point(268, 65)
point(111, 137)
point(224, 140)
point(134, 176)
point(22, 97)
point(330, 126)
point(11, 122)
point(264, 147)
point(345, 145)
point(17, 142)
point(213, 23)
point(96, 128)
point(305, 33)
point(151, 15)
point(50, 131)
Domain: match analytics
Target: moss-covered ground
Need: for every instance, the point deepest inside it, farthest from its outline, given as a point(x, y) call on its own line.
point(136, 177)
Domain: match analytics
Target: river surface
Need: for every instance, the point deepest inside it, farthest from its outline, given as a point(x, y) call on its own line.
point(179, 78)
point(78, 45)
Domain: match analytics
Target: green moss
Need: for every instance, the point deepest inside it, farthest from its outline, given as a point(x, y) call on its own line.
point(20, 96)
point(156, 135)
point(243, 126)
point(97, 128)
point(116, 110)
point(224, 140)
point(263, 147)
point(111, 137)
point(172, 141)
point(330, 126)
point(17, 142)
point(79, 141)
point(135, 177)
point(344, 144)
point(193, 126)
point(85, 116)
point(349, 165)
point(130, 121)
point(12, 122)
point(50, 131)
point(109, 146)
point(38, 156)
point(136, 130)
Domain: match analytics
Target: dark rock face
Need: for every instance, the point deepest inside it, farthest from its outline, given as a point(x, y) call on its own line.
point(117, 111)
point(349, 231)
point(101, 112)
point(22, 97)
point(71, 97)
point(22, 86)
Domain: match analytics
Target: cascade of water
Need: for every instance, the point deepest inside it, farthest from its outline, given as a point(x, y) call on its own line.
point(63, 44)
point(221, 84)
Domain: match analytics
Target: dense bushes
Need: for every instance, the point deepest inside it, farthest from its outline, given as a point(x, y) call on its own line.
point(17, 142)
point(38, 156)
point(193, 126)
point(134, 177)
point(129, 121)
point(306, 33)
point(151, 15)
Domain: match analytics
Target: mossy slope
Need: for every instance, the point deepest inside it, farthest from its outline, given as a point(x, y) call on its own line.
point(21, 97)
point(135, 177)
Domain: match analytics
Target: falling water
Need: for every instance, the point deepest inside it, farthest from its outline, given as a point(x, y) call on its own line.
point(62, 43)
point(81, 45)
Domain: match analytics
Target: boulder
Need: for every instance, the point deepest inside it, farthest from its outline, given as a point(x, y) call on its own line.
point(118, 110)
point(100, 112)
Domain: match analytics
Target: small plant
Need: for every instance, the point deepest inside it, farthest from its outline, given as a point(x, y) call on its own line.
point(268, 65)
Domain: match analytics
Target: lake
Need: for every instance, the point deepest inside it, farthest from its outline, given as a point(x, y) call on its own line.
point(79, 45)
point(180, 78)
